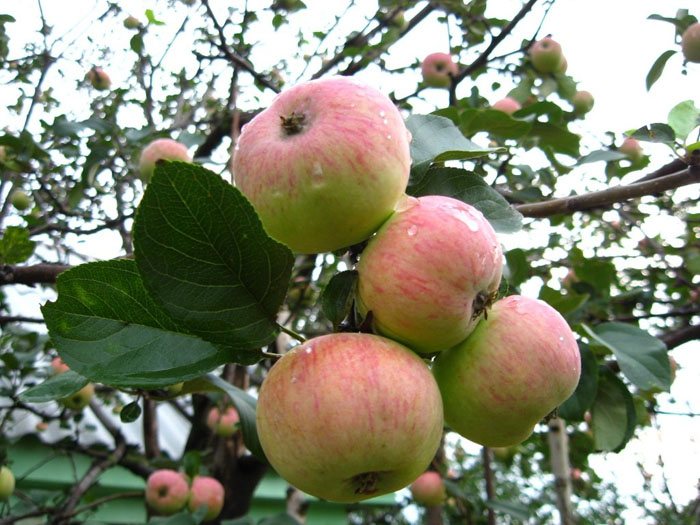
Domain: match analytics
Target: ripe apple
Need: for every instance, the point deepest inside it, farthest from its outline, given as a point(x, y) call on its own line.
point(428, 489)
point(160, 149)
point(546, 55)
point(582, 102)
point(7, 483)
point(20, 200)
point(507, 105)
point(429, 273)
point(80, 399)
point(206, 491)
point(58, 365)
point(167, 491)
point(325, 164)
point(99, 79)
point(225, 424)
point(632, 148)
point(131, 22)
point(690, 43)
point(348, 416)
point(515, 368)
point(437, 69)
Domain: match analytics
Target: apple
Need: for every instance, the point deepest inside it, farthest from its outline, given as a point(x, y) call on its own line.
point(58, 365)
point(438, 69)
point(563, 65)
point(131, 22)
point(7, 483)
point(225, 424)
point(690, 43)
point(582, 102)
point(167, 491)
point(80, 399)
point(160, 149)
point(429, 273)
point(632, 148)
point(507, 105)
point(514, 369)
point(99, 79)
point(428, 489)
point(546, 55)
point(206, 491)
point(41, 426)
point(349, 416)
point(20, 200)
point(325, 164)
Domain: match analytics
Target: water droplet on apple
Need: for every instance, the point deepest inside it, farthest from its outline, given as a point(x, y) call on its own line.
point(561, 338)
point(382, 114)
point(409, 136)
point(294, 379)
point(308, 350)
point(317, 175)
point(386, 122)
point(389, 137)
point(412, 230)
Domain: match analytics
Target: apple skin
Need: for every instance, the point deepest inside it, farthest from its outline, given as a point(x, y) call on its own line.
point(20, 200)
point(347, 416)
point(563, 65)
point(515, 368)
point(422, 273)
point(583, 102)
point(167, 491)
point(58, 365)
point(225, 424)
point(80, 399)
point(632, 148)
point(690, 43)
point(546, 55)
point(507, 105)
point(99, 79)
point(131, 22)
point(325, 164)
point(437, 68)
point(206, 491)
point(428, 489)
point(7, 483)
point(160, 149)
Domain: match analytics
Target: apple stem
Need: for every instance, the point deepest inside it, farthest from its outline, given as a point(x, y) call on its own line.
point(366, 482)
point(292, 333)
point(294, 123)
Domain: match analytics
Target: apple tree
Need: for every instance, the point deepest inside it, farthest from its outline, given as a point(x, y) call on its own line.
point(131, 280)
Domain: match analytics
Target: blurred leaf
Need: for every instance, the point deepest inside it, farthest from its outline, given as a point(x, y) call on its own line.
point(657, 132)
point(15, 245)
point(470, 188)
point(556, 137)
point(565, 304)
point(493, 121)
point(518, 268)
point(515, 510)
point(575, 407)
point(136, 43)
point(614, 415)
point(642, 358)
point(658, 66)
point(203, 254)
point(152, 18)
point(599, 274)
point(130, 412)
point(246, 520)
point(683, 118)
point(56, 386)
point(338, 296)
point(280, 519)
point(604, 155)
point(107, 328)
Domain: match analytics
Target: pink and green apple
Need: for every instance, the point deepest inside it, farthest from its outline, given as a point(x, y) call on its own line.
point(167, 491)
point(99, 79)
point(348, 416)
point(325, 164)
point(160, 149)
point(582, 101)
point(690, 43)
point(223, 423)
point(206, 491)
point(632, 148)
point(546, 55)
point(438, 70)
point(514, 369)
point(507, 105)
point(429, 489)
point(58, 365)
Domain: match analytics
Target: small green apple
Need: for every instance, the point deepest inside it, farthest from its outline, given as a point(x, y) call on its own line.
point(7, 483)
point(80, 399)
point(546, 55)
point(20, 200)
point(582, 102)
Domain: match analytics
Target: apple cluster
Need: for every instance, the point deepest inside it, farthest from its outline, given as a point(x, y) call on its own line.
point(349, 416)
point(169, 491)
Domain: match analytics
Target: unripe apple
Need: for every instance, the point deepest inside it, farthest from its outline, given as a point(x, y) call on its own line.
point(582, 102)
point(429, 273)
point(131, 22)
point(99, 79)
point(428, 489)
point(58, 365)
point(632, 148)
point(167, 491)
point(20, 200)
point(546, 55)
point(225, 424)
point(325, 164)
point(80, 399)
point(515, 368)
point(507, 105)
point(206, 491)
point(690, 43)
point(437, 69)
point(349, 416)
point(160, 149)
point(7, 483)
point(563, 65)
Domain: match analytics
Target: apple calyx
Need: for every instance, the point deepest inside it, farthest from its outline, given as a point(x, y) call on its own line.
point(366, 482)
point(482, 302)
point(293, 124)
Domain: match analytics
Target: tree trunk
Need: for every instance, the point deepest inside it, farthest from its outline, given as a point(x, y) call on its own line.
point(559, 452)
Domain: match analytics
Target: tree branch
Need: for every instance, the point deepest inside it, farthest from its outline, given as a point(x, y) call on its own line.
point(677, 337)
point(30, 275)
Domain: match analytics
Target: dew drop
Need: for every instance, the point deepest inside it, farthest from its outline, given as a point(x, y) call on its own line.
point(386, 121)
point(412, 230)
point(561, 338)
point(382, 114)
point(309, 350)
point(389, 137)
point(294, 379)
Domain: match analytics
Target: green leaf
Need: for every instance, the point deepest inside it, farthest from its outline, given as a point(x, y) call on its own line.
point(599, 274)
point(515, 510)
point(181, 518)
point(15, 246)
point(518, 267)
point(130, 413)
point(657, 132)
point(280, 519)
point(493, 121)
point(437, 139)
point(613, 412)
point(245, 520)
point(658, 66)
point(152, 18)
point(338, 296)
point(683, 118)
point(245, 405)
point(107, 328)
point(642, 358)
point(565, 304)
point(575, 407)
point(470, 188)
point(556, 137)
point(203, 254)
point(604, 155)
point(55, 387)
point(136, 43)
